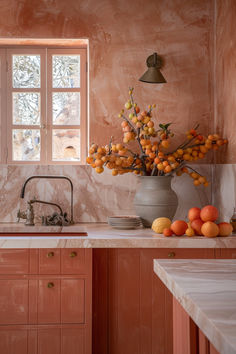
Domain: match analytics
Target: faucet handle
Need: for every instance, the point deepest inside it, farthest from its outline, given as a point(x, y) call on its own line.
point(20, 215)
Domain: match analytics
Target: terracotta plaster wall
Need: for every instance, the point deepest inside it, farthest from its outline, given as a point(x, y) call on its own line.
point(225, 76)
point(122, 34)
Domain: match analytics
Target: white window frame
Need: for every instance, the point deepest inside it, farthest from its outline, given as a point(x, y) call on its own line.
point(46, 125)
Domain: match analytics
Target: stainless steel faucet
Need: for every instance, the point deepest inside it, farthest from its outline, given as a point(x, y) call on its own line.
point(30, 211)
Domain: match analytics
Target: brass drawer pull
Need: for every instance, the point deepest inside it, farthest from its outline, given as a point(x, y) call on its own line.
point(50, 285)
point(73, 254)
point(50, 254)
point(171, 255)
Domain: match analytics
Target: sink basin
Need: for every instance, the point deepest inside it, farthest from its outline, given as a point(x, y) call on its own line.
point(20, 229)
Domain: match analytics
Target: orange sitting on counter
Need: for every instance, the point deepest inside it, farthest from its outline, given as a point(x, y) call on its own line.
point(202, 222)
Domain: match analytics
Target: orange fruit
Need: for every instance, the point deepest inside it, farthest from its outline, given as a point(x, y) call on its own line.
point(209, 213)
point(190, 232)
point(225, 229)
point(167, 232)
point(210, 229)
point(196, 225)
point(194, 213)
point(179, 227)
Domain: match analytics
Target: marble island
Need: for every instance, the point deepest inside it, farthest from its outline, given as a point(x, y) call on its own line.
point(206, 289)
point(100, 235)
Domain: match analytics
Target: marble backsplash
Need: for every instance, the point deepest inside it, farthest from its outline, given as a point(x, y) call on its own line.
point(95, 196)
point(224, 189)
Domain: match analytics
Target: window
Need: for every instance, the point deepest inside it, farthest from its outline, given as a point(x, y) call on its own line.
point(43, 105)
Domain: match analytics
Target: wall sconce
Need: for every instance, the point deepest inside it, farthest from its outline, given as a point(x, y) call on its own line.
point(153, 74)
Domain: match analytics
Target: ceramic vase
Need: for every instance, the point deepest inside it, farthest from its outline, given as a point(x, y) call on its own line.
point(155, 198)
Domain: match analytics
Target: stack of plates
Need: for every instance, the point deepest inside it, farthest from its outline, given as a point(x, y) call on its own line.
point(125, 222)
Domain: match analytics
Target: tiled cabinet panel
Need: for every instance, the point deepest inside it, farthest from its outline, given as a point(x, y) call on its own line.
point(49, 301)
point(61, 300)
point(14, 301)
point(50, 340)
point(187, 337)
point(49, 261)
point(13, 341)
point(130, 300)
point(14, 261)
point(45, 301)
point(73, 261)
point(73, 300)
point(226, 253)
point(61, 341)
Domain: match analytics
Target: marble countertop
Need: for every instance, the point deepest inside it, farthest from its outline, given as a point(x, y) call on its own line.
point(207, 291)
point(100, 235)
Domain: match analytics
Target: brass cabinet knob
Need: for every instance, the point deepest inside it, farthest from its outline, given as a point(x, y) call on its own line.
point(73, 254)
point(171, 254)
point(50, 254)
point(50, 285)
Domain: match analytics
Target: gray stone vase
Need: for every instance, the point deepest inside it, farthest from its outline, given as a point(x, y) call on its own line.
point(155, 198)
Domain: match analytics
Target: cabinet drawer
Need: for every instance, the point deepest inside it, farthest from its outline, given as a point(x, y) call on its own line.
point(14, 301)
point(49, 261)
point(73, 261)
point(185, 253)
point(229, 253)
point(14, 261)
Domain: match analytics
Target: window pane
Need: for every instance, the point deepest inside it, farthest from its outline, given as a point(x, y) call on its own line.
point(26, 108)
point(26, 144)
point(26, 71)
point(66, 108)
point(66, 71)
point(66, 145)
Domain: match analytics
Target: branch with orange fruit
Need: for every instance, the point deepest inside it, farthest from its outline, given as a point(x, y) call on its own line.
point(152, 156)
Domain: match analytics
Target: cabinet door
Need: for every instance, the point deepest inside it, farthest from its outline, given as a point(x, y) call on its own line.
point(73, 300)
point(13, 301)
point(73, 261)
point(48, 301)
point(61, 301)
point(13, 341)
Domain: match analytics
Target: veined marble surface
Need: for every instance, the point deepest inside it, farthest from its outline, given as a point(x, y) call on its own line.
point(207, 291)
point(101, 235)
point(224, 190)
point(95, 196)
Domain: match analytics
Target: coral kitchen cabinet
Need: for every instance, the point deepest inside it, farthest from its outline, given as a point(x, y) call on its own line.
point(45, 301)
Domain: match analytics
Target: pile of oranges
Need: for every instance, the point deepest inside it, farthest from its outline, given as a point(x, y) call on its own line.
point(154, 156)
point(202, 222)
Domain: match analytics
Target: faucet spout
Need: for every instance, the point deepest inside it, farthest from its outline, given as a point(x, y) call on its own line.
point(22, 194)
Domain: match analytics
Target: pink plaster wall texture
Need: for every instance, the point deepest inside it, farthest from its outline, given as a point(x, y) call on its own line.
point(121, 35)
point(225, 76)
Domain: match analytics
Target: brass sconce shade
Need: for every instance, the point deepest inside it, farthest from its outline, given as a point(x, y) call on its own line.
point(153, 74)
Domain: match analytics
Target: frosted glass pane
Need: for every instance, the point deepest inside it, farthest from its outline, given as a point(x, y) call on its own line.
point(65, 71)
point(26, 144)
point(26, 71)
point(66, 145)
point(66, 108)
point(26, 108)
